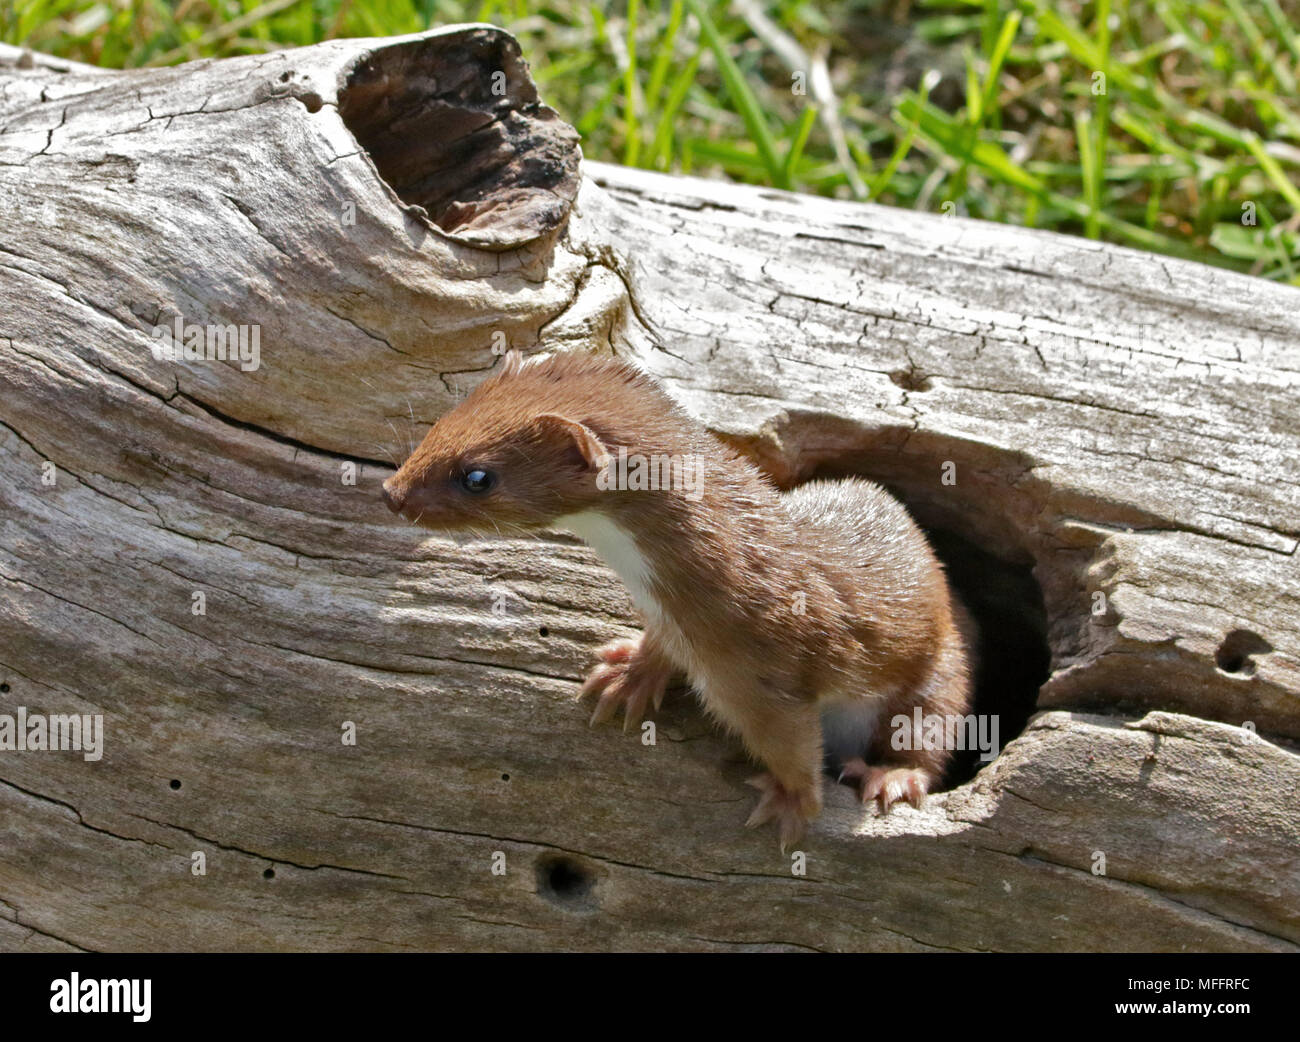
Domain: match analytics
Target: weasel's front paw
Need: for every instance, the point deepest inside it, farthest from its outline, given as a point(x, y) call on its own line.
point(791, 810)
point(888, 785)
point(628, 677)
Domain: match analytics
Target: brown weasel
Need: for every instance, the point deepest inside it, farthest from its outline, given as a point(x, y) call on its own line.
point(806, 621)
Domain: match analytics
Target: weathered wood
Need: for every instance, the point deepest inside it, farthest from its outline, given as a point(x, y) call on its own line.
point(1121, 424)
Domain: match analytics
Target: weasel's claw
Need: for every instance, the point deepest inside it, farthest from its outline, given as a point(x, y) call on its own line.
point(627, 679)
point(888, 785)
point(604, 682)
point(790, 810)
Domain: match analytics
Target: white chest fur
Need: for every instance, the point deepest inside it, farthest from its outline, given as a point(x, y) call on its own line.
point(617, 549)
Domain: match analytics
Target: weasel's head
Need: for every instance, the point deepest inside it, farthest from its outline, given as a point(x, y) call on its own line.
point(516, 454)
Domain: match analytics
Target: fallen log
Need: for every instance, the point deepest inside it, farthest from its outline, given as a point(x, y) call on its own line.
point(1101, 442)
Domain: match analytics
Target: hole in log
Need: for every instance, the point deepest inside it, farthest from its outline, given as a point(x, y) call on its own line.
point(565, 881)
point(454, 126)
point(997, 503)
point(910, 379)
point(4, 689)
point(1013, 659)
point(542, 631)
point(1236, 654)
point(269, 874)
point(175, 783)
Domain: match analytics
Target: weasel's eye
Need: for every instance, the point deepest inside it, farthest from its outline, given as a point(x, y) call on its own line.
point(477, 479)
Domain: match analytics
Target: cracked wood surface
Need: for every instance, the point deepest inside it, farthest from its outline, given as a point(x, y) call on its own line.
point(1125, 424)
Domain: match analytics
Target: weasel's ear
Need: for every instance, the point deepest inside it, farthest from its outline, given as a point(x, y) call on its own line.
point(589, 451)
point(511, 363)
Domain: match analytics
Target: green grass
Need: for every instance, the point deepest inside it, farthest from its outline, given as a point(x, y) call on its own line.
point(1163, 124)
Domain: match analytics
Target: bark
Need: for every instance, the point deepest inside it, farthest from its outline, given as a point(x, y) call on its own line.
point(1122, 430)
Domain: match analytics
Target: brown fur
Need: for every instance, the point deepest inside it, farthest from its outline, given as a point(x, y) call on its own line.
point(879, 632)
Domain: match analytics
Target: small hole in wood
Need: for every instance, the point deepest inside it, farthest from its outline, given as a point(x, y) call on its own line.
point(1236, 655)
point(4, 689)
point(175, 783)
point(543, 631)
point(910, 379)
point(505, 777)
point(565, 881)
point(269, 874)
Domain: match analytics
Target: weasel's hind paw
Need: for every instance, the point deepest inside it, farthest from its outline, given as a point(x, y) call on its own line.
point(790, 810)
point(888, 785)
point(625, 677)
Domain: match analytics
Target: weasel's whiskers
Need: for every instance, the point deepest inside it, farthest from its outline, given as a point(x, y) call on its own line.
point(397, 437)
point(411, 412)
point(384, 450)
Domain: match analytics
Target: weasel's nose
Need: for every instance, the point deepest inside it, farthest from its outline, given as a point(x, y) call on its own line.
point(394, 497)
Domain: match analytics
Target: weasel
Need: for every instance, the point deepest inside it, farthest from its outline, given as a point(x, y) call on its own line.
point(806, 621)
